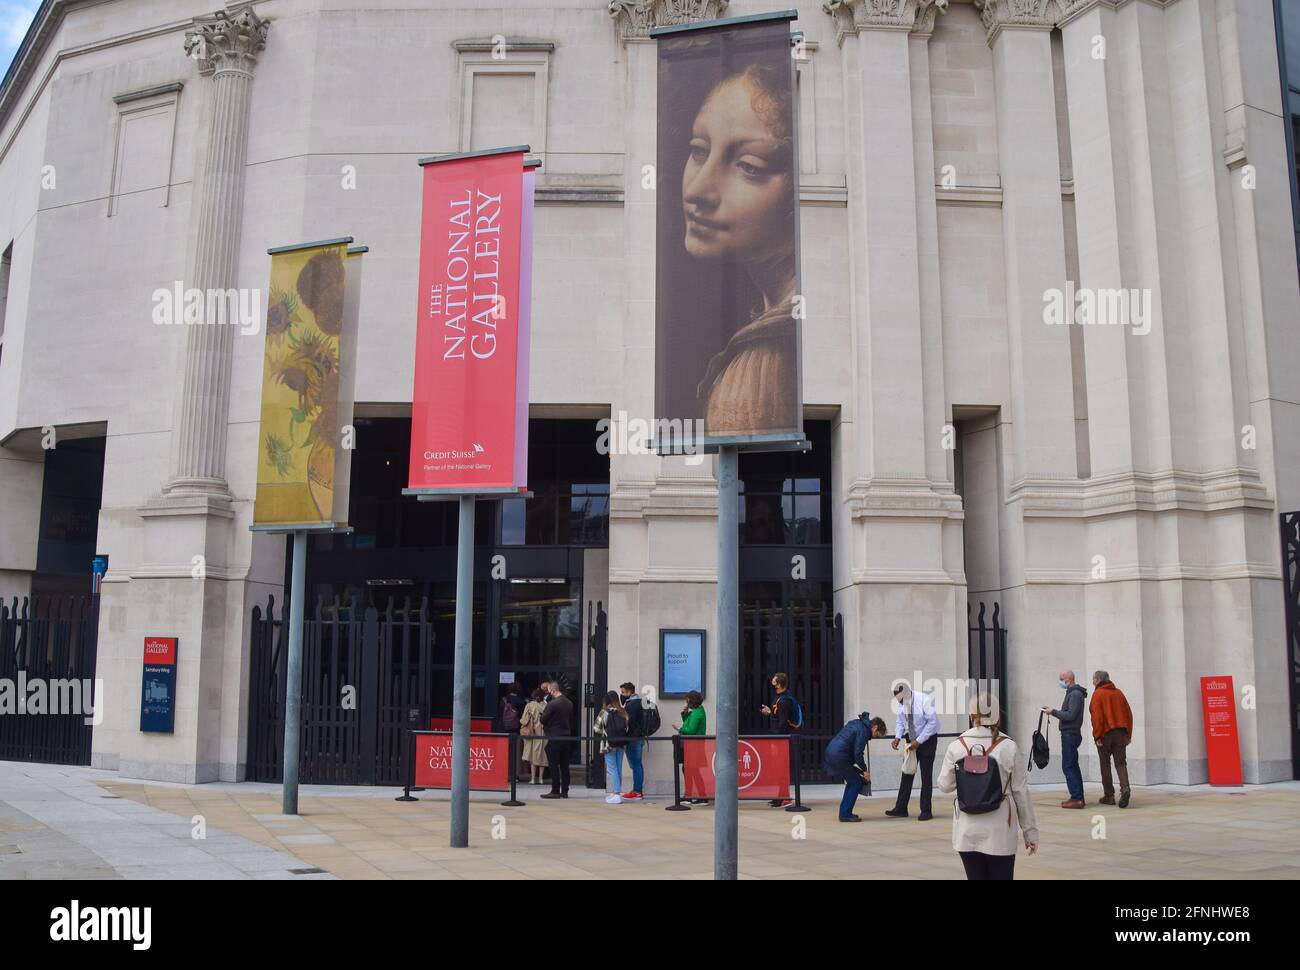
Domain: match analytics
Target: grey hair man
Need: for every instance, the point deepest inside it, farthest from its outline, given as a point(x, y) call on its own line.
point(1069, 721)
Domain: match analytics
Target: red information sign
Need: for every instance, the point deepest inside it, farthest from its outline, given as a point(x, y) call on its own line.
point(762, 767)
point(489, 762)
point(160, 651)
point(471, 330)
point(1219, 706)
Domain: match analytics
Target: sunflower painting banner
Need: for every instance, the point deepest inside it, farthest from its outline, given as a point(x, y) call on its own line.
point(303, 465)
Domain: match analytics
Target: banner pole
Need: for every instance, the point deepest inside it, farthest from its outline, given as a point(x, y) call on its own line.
point(293, 676)
point(725, 818)
point(462, 674)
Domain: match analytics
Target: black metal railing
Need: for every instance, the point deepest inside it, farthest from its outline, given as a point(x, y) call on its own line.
point(50, 642)
point(986, 653)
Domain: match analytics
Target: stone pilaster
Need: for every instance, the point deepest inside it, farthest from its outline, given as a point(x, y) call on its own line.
point(899, 548)
point(226, 46)
point(636, 18)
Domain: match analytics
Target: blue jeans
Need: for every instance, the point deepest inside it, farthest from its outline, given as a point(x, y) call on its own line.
point(1070, 764)
point(852, 788)
point(614, 770)
point(635, 748)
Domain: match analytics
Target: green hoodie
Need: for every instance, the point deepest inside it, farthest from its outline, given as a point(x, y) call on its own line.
point(693, 722)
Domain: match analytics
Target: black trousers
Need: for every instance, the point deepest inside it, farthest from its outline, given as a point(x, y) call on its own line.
point(981, 866)
point(557, 753)
point(924, 768)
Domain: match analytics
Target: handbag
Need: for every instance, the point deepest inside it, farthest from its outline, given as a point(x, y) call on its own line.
point(909, 760)
point(1039, 753)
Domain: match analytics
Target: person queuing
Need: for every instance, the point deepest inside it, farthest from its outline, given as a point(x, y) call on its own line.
point(530, 734)
point(510, 715)
point(612, 728)
point(643, 722)
point(846, 757)
point(786, 715)
point(983, 827)
point(1069, 722)
point(694, 723)
point(557, 723)
point(1112, 730)
point(917, 725)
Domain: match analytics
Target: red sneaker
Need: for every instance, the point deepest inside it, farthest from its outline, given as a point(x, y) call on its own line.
point(634, 795)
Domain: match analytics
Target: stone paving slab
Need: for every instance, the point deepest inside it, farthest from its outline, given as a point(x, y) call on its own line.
point(60, 822)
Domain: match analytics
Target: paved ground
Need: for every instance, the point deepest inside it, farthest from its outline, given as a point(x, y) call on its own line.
point(60, 823)
point(1169, 832)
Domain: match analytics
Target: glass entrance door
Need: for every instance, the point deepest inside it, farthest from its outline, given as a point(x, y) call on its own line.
point(540, 635)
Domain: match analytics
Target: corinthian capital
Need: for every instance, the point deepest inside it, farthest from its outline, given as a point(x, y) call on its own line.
point(997, 14)
point(228, 40)
point(635, 18)
point(852, 16)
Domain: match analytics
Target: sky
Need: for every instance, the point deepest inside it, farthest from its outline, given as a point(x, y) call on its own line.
point(15, 18)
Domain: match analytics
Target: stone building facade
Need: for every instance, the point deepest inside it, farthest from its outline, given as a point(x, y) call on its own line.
point(1114, 486)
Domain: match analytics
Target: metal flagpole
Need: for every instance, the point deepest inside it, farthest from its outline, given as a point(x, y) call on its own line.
point(293, 680)
point(461, 675)
point(725, 816)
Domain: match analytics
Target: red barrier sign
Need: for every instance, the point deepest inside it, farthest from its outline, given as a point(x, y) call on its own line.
point(465, 416)
point(489, 762)
point(1219, 707)
point(762, 767)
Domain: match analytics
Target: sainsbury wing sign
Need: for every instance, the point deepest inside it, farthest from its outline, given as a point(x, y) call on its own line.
point(469, 407)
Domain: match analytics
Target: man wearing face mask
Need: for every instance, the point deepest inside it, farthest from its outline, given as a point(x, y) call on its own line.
point(1069, 719)
point(918, 723)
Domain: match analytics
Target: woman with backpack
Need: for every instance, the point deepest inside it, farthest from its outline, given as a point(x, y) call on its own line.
point(531, 736)
point(512, 710)
point(992, 806)
point(611, 727)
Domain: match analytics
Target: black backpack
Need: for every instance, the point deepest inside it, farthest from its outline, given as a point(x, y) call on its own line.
point(1039, 753)
point(616, 729)
point(509, 715)
point(979, 782)
point(650, 722)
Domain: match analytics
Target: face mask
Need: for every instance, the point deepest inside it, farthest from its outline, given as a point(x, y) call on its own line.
point(1064, 685)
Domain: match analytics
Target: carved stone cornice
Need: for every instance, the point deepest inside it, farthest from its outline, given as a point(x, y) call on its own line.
point(228, 40)
point(1032, 14)
point(635, 18)
point(852, 16)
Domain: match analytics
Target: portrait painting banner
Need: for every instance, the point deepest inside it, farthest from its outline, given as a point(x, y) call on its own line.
point(469, 408)
point(304, 465)
point(727, 306)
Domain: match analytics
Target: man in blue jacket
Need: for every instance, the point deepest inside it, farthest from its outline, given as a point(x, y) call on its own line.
point(1069, 721)
point(846, 755)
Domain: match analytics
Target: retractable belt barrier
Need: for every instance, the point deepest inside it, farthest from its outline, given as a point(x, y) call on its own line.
point(767, 765)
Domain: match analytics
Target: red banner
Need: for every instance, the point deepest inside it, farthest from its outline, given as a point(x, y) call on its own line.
point(465, 409)
point(762, 767)
point(489, 762)
point(1219, 707)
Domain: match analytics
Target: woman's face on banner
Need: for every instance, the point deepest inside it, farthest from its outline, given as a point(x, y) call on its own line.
point(736, 186)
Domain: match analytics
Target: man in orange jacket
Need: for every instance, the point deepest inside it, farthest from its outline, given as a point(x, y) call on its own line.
point(1112, 729)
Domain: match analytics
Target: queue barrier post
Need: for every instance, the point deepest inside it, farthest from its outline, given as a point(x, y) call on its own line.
point(409, 773)
point(798, 805)
point(677, 805)
point(512, 744)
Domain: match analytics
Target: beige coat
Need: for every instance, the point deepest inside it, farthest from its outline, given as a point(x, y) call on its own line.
point(994, 833)
point(535, 744)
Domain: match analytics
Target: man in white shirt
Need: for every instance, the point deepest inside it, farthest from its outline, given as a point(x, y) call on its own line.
point(918, 723)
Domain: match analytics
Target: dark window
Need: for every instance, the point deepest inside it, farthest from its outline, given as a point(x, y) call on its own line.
point(785, 495)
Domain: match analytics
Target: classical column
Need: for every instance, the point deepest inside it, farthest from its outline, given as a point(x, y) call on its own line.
point(1042, 403)
point(226, 46)
point(901, 592)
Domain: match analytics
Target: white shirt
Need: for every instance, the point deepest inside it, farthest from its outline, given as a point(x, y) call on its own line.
point(923, 714)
